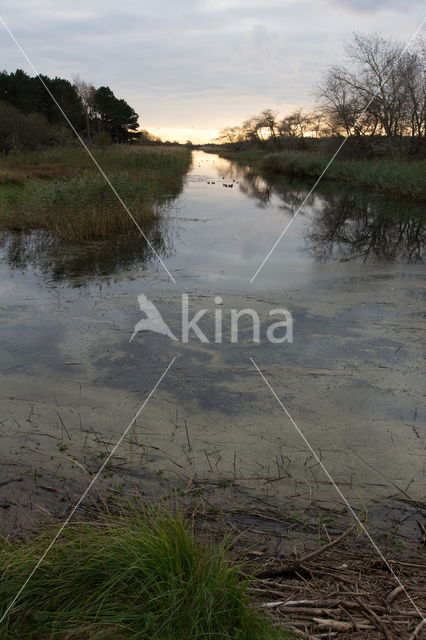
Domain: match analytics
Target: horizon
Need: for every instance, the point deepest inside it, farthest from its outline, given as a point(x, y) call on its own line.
point(191, 71)
point(182, 135)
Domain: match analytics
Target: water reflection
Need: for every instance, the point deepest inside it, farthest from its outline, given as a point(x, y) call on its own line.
point(219, 230)
point(346, 227)
point(90, 258)
point(263, 188)
point(343, 224)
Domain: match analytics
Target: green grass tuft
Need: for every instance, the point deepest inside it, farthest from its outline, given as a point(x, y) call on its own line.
point(137, 576)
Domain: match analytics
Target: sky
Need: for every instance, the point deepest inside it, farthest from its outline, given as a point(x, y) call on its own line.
point(192, 67)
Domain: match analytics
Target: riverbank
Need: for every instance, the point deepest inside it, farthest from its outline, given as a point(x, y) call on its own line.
point(396, 178)
point(196, 569)
point(60, 191)
point(126, 575)
point(212, 435)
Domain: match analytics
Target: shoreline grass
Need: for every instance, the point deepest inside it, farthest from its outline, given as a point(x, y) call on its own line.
point(136, 575)
point(62, 193)
point(397, 178)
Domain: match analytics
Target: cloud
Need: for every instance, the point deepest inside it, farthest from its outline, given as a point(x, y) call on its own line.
point(202, 63)
point(376, 5)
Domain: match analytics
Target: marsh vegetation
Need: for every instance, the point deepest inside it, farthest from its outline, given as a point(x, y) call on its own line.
point(395, 178)
point(59, 191)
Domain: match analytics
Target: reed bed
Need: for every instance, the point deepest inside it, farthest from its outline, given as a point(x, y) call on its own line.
point(62, 193)
point(394, 177)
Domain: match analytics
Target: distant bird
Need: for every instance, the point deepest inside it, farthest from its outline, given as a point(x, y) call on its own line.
point(230, 186)
point(153, 320)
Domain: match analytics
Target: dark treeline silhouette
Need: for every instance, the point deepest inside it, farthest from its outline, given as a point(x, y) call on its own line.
point(381, 94)
point(29, 118)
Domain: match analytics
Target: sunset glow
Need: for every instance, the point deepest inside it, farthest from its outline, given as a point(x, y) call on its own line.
point(197, 136)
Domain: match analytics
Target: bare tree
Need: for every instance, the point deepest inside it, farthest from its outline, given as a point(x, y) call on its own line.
point(318, 124)
point(339, 106)
point(251, 131)
point(296, 124)
point(86, 92)
point(230, 135)
point(415, 80)
point(382, 93)
point(267, 119)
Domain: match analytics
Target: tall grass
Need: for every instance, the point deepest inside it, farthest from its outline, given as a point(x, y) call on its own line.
point(76, 158)
point(137, 576)
point(83, 208)
point(399, 178)
point(61, 192)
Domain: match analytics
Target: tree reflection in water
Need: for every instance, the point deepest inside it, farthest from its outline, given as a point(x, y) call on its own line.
point(347, 227)
point(342, 223)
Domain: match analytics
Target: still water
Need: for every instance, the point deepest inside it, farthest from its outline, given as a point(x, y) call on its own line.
point(350, 271)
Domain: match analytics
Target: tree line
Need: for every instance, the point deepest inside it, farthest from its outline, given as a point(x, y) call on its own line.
point(29, 118)
point(381, 92)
